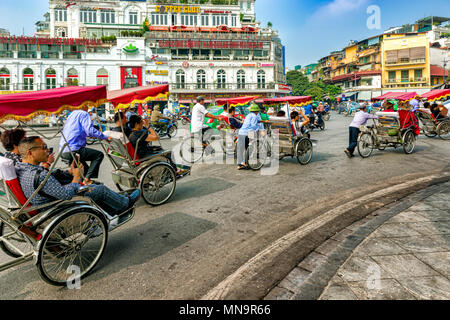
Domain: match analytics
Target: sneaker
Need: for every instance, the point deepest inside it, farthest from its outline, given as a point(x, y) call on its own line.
point(134, 197)
point(348, 153)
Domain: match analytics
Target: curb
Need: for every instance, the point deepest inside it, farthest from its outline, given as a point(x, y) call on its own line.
point(253, 278)
point(314, 285)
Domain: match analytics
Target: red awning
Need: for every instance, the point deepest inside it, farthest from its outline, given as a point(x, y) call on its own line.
point(436, 71)
point(223, 28)
point(293, 101)
point(236, 101)
point(158, 28)
point(401, 96)
point(123, 98)
point(249, 29)
point(25, 106)
point(441, 94)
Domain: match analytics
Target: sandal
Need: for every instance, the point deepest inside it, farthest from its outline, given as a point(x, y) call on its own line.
point(242, 167)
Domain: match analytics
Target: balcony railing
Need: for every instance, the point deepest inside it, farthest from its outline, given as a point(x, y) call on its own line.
point(221, 86)
point(72, 55)
point(27, 54)
point(6, 54)
point(406, 80)
point(205, 36)
point(405, 62)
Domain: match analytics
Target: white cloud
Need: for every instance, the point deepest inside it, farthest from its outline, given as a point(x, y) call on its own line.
point(339, 7)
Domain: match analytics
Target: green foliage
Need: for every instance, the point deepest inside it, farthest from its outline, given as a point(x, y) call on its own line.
point(302, 87)
point(316, 92)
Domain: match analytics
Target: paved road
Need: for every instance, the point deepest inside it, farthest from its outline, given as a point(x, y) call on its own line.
point(219, 218)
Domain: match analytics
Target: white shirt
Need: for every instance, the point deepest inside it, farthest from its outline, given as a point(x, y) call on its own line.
point(198, 118)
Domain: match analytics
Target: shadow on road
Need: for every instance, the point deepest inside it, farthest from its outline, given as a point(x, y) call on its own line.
point(199, 188)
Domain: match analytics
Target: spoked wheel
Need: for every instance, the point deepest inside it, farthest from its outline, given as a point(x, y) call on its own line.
point(443, 130)
point(430, 134)
point(191, 150)
point(72, 246)
point(409, 142)
point(18, 242)
point(304, 151)
point(184, 122)
point(256, 155)
point(172, 131)
point(365, 145)
point(158, 184)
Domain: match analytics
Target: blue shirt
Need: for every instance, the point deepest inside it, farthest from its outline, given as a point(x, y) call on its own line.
point(77, 128)
point(252, 123)
point(308, 109)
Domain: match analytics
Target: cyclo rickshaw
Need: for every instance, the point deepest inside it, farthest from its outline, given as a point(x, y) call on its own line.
point(431, 127)
point(391, 129)
point(156, 175)
point(63, 234)
point(281, 130)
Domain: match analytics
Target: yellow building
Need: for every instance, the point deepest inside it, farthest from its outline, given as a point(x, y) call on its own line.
point(405, 61)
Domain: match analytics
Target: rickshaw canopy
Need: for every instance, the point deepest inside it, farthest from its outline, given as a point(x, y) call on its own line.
point(122, 99)
point(26, 106)
point(233, 102)
point(401, 96)
point(434, 95)
point(292, 100)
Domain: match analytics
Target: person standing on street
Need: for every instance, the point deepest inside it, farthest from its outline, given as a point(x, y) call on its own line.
point(360, 119)
point(78, 127)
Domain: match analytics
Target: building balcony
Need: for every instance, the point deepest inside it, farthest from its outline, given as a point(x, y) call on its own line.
point(221, 87)
point(405, 62)
point(153, 35)
point(407, 80)
point(6, 54)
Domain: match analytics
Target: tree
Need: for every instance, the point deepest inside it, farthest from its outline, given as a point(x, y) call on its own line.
point(332, 91)
point(298, 81)
point(316, 92)
point(269, 24)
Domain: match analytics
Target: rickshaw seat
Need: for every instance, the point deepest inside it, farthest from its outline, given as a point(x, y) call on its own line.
point(9, 176)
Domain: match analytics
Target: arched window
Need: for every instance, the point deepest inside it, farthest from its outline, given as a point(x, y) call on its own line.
point(180, 79)
point(61, 32)
point(50, 78)
point(72, 77)
point(28, 79)
point(241, 79)
point(201, 79)
point(261, 76)
point(102, 77)
point(5, 79)
point(221, 79)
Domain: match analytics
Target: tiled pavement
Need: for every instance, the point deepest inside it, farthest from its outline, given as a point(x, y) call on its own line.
point(406, 257)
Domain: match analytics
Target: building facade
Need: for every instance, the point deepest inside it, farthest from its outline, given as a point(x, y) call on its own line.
point(216, 49)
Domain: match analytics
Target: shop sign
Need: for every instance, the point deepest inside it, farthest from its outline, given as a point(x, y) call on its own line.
point(178, 9)
point(51, 41)
point(186, 44)
point(158, 72)
point(161, 62)
point(130, 77)
point(216, 12)
point(260, 65)
point(249, 65)
point(284, 87)
point(131, 49)
point(185, 64)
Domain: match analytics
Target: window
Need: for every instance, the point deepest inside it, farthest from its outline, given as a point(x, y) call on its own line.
point(60, 15)
point(188, 19)
point(201, 79)
point(134, 17)
point(108, 17)
point(205, 20)
point(405, 75)
point(249, 5)
point(5, 78)
point(418, 74)
point(216, 20)
point(28, 79)
point(241, 79)
point(50, 79)
point(72, 77)
point(221, 79)
point(88, 16)
point(180, 79)
point(392, 77)
point(102, 77)
point(261, 76)
point(233, 20)
point(159, 19)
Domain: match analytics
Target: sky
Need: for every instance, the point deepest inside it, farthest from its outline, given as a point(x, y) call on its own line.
point(310, 29)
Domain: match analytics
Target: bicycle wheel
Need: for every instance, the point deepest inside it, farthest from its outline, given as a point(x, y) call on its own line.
point(191, 150)
point(172, 131)
point(409, 142)
point(158, 184)
point(77, 239)
point(18, 242)
point(443, 130)
point(365, 145)
point(184, 122)
point(256, 155)
point(304, 151)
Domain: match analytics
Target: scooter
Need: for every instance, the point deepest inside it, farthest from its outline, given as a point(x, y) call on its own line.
point(185, 119)
point(313, 125)
point(166, 128)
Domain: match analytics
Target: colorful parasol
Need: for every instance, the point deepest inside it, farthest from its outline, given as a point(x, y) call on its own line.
point(26, 106)
point(233, 102)
point(293, 101)
point(401, 96)
point(434, 95)
point(121, 99)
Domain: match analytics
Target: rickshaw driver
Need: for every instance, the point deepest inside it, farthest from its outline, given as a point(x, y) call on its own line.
point(77, 128)
point(199, 113)
point(34, 151)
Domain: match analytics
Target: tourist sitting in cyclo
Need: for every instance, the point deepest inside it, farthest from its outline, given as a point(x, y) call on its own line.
point(158, 119)
point(141, 138)
point(298, 127)
point(439, 112)
point(121, 123)
point(31, 175)
point(252, 123)
point(10, 141)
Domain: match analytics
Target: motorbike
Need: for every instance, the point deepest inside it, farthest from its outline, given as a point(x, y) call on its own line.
point(167, 128)
point(185, 119)
point(313, 125)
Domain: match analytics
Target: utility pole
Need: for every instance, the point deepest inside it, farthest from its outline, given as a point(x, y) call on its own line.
point(445, 65)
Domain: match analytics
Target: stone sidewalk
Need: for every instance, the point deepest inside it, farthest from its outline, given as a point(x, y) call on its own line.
point(401, 252)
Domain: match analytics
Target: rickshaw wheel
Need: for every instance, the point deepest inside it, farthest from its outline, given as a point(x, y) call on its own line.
point(409, 142)
point(365, 145)
point(444, 130)
point(304, 151)
point(72, 247)
point(18, 240)
point(430, 134)
point(158, 184)
point(256, 155)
